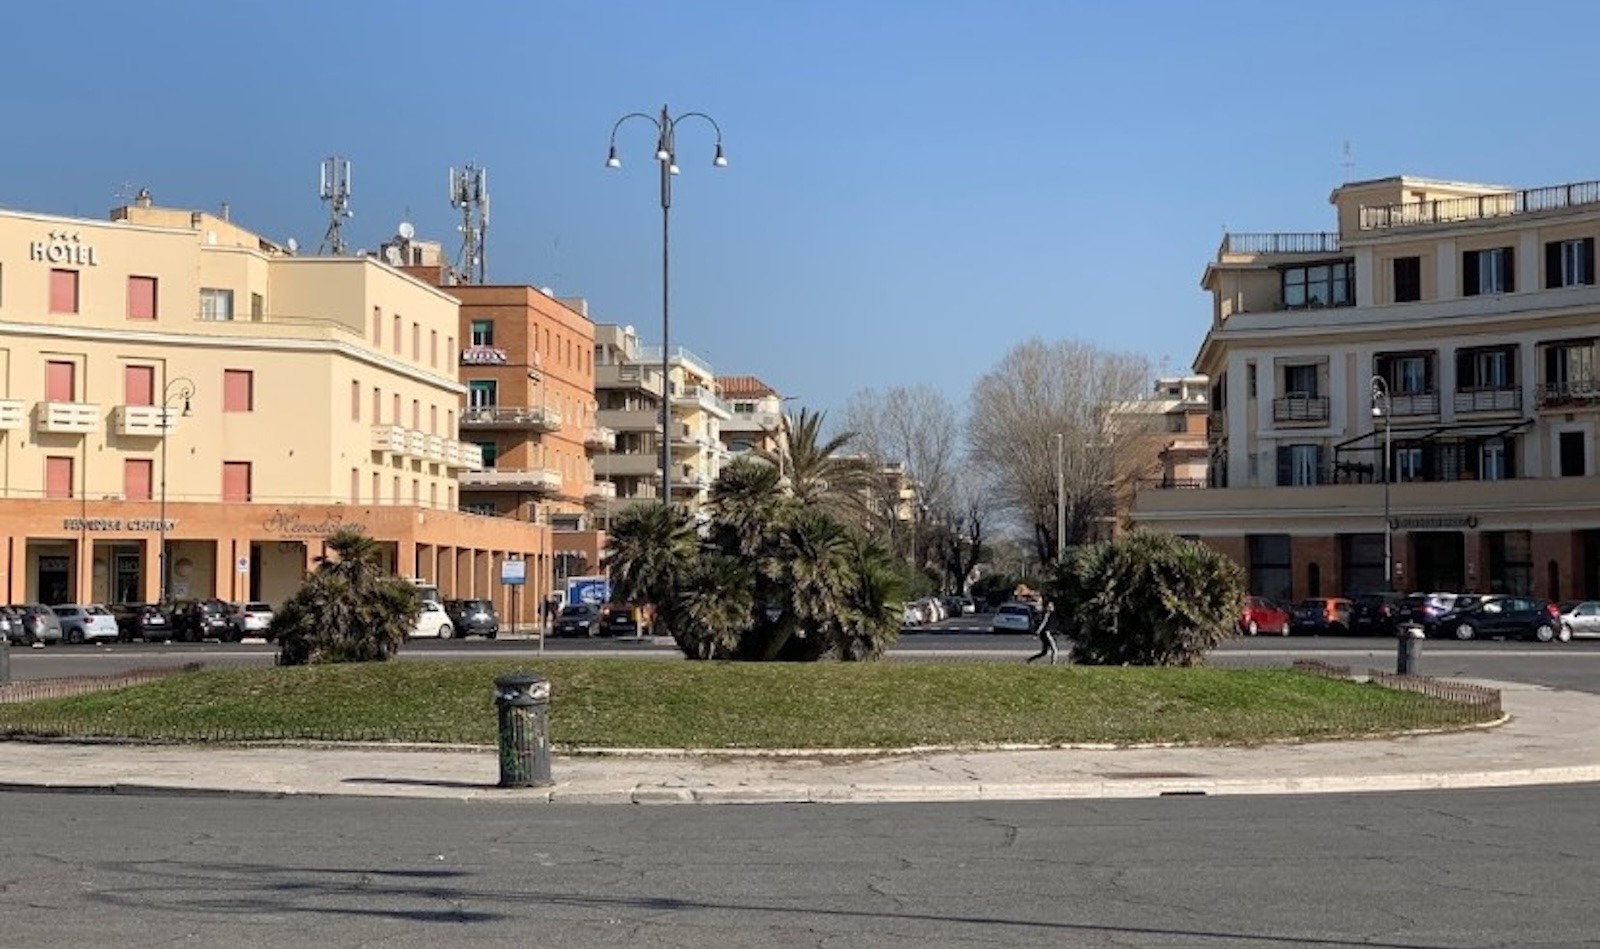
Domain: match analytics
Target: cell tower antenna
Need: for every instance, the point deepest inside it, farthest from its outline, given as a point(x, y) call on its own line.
point(1349, 161)
point(335, 193)
point(469, 194)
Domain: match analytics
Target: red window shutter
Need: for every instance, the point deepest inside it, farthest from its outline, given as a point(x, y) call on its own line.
point(138, 385)
point(355, 401)
point(355, 485)
point(141, 298)
point(63, 291)
point(238, 390)
point(377, 487)
point(236, 481)
point(136, 479)
point(58, 477)
point(61, 382)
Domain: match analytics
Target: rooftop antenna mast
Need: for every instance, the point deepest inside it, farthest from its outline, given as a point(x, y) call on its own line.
point(335, 193)
point(469, 194)
point(1349, 161)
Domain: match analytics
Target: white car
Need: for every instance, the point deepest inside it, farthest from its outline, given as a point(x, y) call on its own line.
point(86, 624)
point(1581, 618)
point(432, 621)
point(252, 619)
point(1013, 618)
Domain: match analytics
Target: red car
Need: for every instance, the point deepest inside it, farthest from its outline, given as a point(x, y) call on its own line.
point(1261, 615)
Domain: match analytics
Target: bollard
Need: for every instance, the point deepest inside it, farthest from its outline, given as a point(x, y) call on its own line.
point(522, 702)
point(1409, 654)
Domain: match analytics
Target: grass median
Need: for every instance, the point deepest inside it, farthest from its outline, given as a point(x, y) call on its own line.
point(630, 704)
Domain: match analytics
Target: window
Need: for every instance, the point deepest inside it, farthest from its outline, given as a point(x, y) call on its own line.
point(355, 485)
point(63, 291)
point(483, 332)
point(398, 342)
point(1484, 368)
point(138, 385)
point(377, 487)
point(1270, 565)
point(60, 381)
point(1250, 379)
point(236, 481)
point(1410, 375)
point(1300, 380)
point(1299, 465)
point(1318, 285)
point(377, 406)
point(1407, 279)
point(416, 342)
point(490, 453)
point(1569, 263)
point(1487, 271)
point(1569, 366)
point(416, 414)
point(433, 420)
point(136, 479)
point(355, 401)
point(416, 490)
point(1572, 449)
point(258, 307)
point(141, 298)
point(57, 477)
point(1408, 463)
point(1492, 459)
point(395, 404)
point(216, 304)
point(377, 326)
point(433, 347)
point(482, 394)
point(238, 390)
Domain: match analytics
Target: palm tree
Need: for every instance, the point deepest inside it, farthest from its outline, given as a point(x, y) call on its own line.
point(650, 552)
point(349, 609)
point(819, 473)
point(716, 606)
point(870, 621)
point(813, 570)
point(746, 505)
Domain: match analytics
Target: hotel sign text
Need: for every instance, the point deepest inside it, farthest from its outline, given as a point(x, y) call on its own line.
point(114, 524)
point(64, 247)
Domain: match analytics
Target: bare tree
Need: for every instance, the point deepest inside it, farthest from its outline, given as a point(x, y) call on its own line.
point(1038, 390)
point(919, 428)
point(958, 537)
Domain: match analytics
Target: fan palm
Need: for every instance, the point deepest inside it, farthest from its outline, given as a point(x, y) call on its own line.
point(650, 552)
point(820, 474)
point(349, 609)
point(715, 606)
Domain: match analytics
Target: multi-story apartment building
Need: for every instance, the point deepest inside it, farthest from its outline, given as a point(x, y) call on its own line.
point(628, 392)
point(697, 413)
point(171, 382)
point(757, 423)
point(1422, 380)
point(1159, 438)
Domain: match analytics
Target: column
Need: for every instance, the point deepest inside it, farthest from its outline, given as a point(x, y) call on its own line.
point(83, 572)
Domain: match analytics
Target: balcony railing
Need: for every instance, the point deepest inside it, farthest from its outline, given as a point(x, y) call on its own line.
point(1300, 408)
point(635, 377)
point(389, 438)
point(536, 418)
point(600, 491)
point(146, 421)
point(1489, 400)
point(1571, 392)
point(703, 398)
point(434, 448)
point(540, 480)
point(1324, 242)
point(601, 437)
point(69, 418)
point(1480, 207)
point(1414, 403)
point(13, 414)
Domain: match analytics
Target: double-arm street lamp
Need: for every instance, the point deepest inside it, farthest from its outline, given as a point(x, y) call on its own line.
point(667, 155)
point(1381, 409)
point(1061, 500)
point(179, 389)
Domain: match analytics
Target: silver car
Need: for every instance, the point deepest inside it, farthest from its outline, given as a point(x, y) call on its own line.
point(1581, 618)
point(36, 623)
point(86, 624)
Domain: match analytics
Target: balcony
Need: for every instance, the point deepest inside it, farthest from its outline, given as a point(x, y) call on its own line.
point(602, 438)
point(434, 448)
point(463, 456)
point(1255, 245)
point(533, 418)
point(703, 399)
point(1470, 401)
point(1573, 392)
point(1415, 403)
point(66, 418)
point(389, 438)
point(639, 465)
point(600, 491)
point(145, 421)
point(754, 422)
point(13, 414)
point(1480, 207)
point(1300, 408)
point(696, 482)
point(536, 480)
point(639, 378)
point(630, 420)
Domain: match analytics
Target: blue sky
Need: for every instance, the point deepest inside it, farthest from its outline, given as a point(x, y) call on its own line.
point(914, 186)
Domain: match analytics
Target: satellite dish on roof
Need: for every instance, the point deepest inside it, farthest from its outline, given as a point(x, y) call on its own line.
point(293, 245)
point(406, 231)
point(391, 255)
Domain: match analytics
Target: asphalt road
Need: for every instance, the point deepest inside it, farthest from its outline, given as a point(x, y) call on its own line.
point(1459, 870)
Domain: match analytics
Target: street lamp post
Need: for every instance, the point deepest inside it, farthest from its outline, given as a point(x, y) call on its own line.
point(1381, 409)
point(1061, 500)
point(181, 388)
point(667, 155)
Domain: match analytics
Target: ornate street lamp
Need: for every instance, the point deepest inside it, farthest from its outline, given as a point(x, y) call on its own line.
point(179, 389)
point(1381, 409)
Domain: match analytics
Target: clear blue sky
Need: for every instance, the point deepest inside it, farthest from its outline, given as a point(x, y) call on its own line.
point(914, 185)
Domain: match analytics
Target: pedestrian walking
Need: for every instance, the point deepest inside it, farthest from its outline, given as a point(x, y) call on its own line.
point(1047, 640)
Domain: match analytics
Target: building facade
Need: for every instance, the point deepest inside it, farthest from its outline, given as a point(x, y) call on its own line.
point(756, 423)
point(1410, 401)
point(169, 378)
point(628, 392)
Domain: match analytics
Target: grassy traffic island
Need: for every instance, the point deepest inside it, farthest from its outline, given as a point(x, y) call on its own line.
point(711, 705)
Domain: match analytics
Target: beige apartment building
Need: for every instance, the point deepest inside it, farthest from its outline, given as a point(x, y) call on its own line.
point(1424, 377)
point(167, 377)
point(628, 392)
point(756, 423)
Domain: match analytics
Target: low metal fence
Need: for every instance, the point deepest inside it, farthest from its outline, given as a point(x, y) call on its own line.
point(1465, 703)
point(34, 690)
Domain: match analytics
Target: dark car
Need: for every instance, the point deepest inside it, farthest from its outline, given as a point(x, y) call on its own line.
point(1321, 616)
point(473, 617)
point(143, 621)
point(1425, 609)
point(1376, 614)
point(1505, 616)
point(196, 620)
point(624, 619)
point(578, 619)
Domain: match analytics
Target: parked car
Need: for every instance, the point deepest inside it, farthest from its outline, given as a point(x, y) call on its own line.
point(1321, 616)
point(197, 620)
point(968, 605)
point(624, 619)
point(911, 614)
point(1261, 615)
point(1581, 617)
point(11, 625)
point(1014, 618)
point(432, 621)
point(252, 619)
point(1424, 609)
point(1376, 613)
point(146, 622)
point(1502, 615)
point(39, 624)
point(578, 619)
point(86, 623)
point(473, 617)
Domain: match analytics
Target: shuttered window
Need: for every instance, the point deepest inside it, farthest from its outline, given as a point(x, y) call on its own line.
point(1569, 263)
point(60, 382)
point(136, 479)
point(238, 390)
point(63, 291)
point(138, 385)
point(57, 477)
point(141, 298)
point(1488, 271)
point(236, 481)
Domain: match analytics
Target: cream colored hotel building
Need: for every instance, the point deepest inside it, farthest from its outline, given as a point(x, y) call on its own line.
point(1478, 308)
point(321, 392)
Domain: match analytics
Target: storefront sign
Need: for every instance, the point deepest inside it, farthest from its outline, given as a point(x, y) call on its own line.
point(483, 356)
point(1433, 522)
point(111, 525)
point(287, 522)
point(64, 247)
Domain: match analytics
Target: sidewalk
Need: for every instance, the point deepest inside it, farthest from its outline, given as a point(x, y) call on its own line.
point(1551, 737)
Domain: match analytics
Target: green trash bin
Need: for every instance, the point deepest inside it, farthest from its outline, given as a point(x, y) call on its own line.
point(522, 702)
